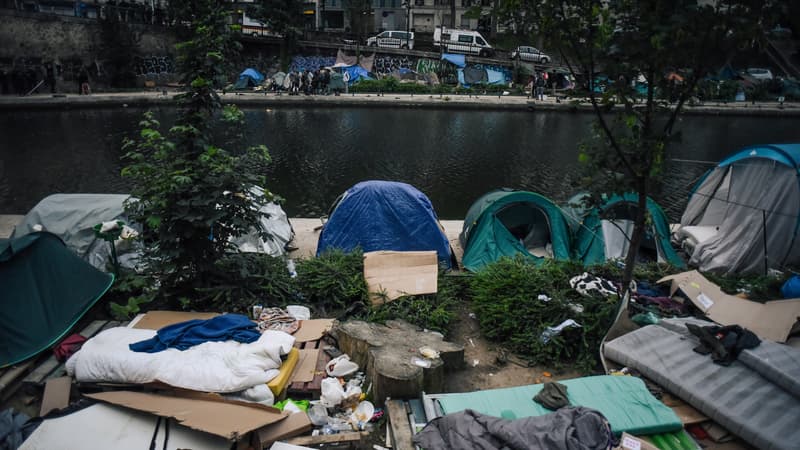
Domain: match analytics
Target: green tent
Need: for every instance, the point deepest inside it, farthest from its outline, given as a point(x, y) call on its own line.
point(507, 223)
point(45, 290)
point(603, 233)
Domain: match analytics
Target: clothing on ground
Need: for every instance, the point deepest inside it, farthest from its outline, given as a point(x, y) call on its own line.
point(183, 335)
point(723, 343)
point(566, 429)
point(552, 396)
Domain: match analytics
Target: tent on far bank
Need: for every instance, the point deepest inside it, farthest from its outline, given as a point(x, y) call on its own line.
point(385, 215)
point(743, 215)
point(248, 79)
point(603, 233)
point(506, 223)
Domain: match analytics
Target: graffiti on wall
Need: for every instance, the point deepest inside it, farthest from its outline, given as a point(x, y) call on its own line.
point(386, 64)
point(154, 65)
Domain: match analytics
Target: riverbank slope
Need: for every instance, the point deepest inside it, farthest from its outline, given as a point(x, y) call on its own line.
point(269, 99)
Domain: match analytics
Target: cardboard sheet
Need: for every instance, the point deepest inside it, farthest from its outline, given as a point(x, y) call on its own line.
point(306, 366)
point(312, 330)
point(155, 320)
point(390, 275)
point(629, 442)
point(56, 394)
point(199, 411)
point(772, 320)
point(294, 425)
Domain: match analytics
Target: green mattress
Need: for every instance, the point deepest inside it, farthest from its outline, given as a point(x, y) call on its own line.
point(624, 400)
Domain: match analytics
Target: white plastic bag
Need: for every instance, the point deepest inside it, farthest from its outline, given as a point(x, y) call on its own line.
point(341, 366)
point(331, 392)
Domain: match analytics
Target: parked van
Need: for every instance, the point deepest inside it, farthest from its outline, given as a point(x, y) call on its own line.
point(393, 39)
point(461, 41)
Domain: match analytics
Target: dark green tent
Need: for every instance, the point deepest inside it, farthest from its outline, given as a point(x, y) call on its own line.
point(603, 233)
point(45, 289)
point(507, 223)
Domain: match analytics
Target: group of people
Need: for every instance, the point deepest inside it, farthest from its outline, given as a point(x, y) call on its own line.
point(537, 83)
point(317, 82)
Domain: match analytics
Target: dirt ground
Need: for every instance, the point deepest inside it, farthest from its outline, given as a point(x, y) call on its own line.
point(489, 365)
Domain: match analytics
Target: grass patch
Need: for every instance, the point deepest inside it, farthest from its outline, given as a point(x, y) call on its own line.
point(506, 302)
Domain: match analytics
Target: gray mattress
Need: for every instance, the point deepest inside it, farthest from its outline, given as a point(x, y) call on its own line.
point(779, 363)
point(739, 398)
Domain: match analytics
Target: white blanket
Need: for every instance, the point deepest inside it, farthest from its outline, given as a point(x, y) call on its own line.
point(209, 367)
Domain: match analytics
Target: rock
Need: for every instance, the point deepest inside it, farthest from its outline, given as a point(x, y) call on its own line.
point(386, 354)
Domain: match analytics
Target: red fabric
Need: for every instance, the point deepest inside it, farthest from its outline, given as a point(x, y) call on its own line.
point(697, 431)
point(68, 346)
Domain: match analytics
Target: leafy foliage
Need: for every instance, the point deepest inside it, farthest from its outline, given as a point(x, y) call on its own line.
point(132, 291)
point(190, 195)
point(506, 302)
point(672, 46)
point(334, 281)
point(434, 311)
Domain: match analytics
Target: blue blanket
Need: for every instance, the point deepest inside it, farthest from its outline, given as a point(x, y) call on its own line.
point(183, 335)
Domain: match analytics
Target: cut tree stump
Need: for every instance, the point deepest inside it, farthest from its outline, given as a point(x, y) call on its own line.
point(386, 353)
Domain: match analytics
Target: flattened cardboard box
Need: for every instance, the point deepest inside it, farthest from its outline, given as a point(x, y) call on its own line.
point(199, 411)
point(155, 320)
point(396, 274)
point(772, 320)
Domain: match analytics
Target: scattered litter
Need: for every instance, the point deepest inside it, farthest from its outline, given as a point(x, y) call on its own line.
point(475, 363)
point(491, 374)
point(543, 298)
point(341, 366)
point(548, 333)
point(547, 374)
point(417, 361)
point(471, 343)
point(472, 315)
point(299, 312)
point(428, 352)
point(578, 308)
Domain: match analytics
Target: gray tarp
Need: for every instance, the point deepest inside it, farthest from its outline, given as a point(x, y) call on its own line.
point(566, 429)
point(72, 216)
point(735, 199)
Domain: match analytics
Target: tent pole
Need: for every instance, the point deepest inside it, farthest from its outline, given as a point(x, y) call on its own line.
point(764, 219)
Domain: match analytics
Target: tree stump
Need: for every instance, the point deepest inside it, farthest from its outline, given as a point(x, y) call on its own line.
point(386, 352)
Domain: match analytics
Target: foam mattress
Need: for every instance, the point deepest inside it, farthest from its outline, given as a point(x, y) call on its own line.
point(624, 401)
point(739, 398)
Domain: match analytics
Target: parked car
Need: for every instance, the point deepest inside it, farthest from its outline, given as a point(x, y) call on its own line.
point(461, 41)
point(393, 39)
point(759, 73)
point(526, 53)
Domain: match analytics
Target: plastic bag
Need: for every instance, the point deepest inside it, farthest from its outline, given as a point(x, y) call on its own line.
point(318, 414)
point(331, 392)
point(341, 366)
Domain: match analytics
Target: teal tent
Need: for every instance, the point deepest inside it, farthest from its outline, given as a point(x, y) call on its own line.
point(508, 223)
point(604, 233)
point(45, 290)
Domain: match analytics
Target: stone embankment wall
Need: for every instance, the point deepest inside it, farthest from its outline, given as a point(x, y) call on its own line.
point(32, 43)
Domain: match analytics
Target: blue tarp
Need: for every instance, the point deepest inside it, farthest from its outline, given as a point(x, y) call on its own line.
point(495, 76)
point(254, 74)
point(356, 73)
point(459, 60)
point(385, 215)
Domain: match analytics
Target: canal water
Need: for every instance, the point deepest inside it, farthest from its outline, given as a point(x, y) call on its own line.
point(452, 156)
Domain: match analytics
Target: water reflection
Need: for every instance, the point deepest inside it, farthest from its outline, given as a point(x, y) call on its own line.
point(452, 156)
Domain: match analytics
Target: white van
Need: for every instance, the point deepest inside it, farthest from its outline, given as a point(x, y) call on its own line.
point(461, 41)
point(393, 39)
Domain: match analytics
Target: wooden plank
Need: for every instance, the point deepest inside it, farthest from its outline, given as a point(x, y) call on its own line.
point(312, 388)
point(401, 428)
point(93, 328)
point(330, 438)
point(38, 375)
point(14, 372)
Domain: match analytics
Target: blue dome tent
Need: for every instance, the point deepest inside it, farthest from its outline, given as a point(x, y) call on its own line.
point(249, 78)
point(743, 215)
point(385, 215)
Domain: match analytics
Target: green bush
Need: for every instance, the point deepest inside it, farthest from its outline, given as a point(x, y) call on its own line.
point(433, 312)
point(333, 283)
point(505, 300)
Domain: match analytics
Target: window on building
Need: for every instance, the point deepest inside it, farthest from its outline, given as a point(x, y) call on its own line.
point(465, 22)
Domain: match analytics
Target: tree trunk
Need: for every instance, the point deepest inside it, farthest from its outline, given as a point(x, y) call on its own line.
point(452, 13)
point(638, 234)
point(387, 353)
